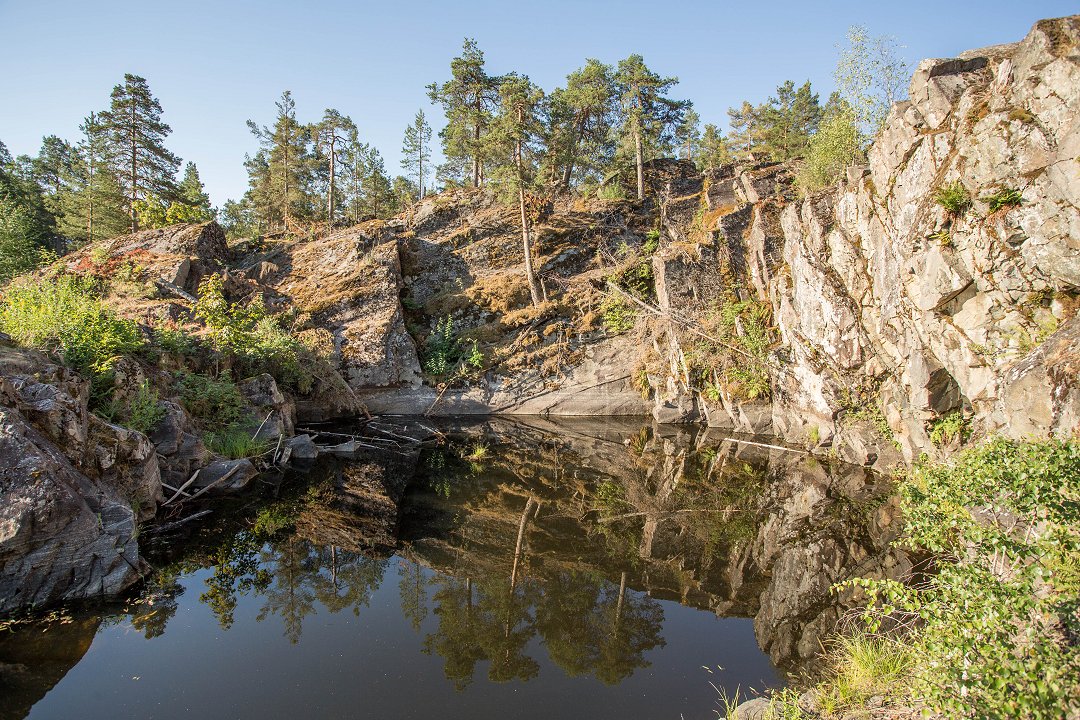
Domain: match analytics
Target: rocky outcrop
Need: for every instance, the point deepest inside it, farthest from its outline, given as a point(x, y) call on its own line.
point(72, 488)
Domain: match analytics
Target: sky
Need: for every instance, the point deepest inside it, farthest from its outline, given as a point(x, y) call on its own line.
point(215, 64)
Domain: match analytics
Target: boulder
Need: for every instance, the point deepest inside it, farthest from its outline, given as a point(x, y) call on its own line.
point(226, 476)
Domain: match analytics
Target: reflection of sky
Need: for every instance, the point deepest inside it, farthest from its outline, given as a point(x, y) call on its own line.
point(373, 665)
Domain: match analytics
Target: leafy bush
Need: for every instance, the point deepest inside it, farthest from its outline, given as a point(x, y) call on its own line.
point(954, 197)
point(739, 354)
point(215, 402)
point(1003, 198)
point(618, 316)
point(253, 338)
point(67, 315)
point(145, 410)
point(992, 633)
point(832, 149)
point(950, 427)
point(446, 353)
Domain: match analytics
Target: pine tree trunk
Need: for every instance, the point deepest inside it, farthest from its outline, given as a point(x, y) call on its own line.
point(134, 168)
point(330, 195)
point(639, 154)
point(534, 286)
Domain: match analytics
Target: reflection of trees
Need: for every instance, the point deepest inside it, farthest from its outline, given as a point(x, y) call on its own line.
point(305, 574)
point(592, 626)
point(236, 571)
point(413, 590)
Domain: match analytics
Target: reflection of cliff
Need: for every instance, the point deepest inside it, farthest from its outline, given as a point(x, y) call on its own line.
point(681, 513)
point(32, 662)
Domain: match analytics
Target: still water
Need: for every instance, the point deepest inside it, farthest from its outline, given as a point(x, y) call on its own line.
point(522, 569)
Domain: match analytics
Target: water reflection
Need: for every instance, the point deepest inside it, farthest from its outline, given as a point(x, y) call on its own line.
point(555, 545)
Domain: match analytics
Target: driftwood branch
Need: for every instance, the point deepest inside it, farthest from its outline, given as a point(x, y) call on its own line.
point(182, 488)
point(175, 290)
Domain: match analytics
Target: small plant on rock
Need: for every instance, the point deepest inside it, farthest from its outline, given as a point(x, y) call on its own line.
point(1004, 198)
point(954, 197)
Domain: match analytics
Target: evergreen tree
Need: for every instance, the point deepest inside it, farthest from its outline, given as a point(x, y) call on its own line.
point(647, 116)
point(136, 136)
point(788, 120)
point(688, 135)
point(515, 135)
point(715, 149)
point(469, 99)
point(192, 204)
point(25, 224)
point(581, 117)
point(281, 176)
point(92, 204)
point(415, 150)
point(378, 189)
point(403, 194)
point(331, 136)
point(745, 133)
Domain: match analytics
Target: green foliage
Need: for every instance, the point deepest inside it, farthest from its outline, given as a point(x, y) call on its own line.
point(990, 631)
point(145, 410)
point(652, 242)
point(272, 519)
point(67, 315)
point(1004, 198)
point(446, 354)
point(863, 666)
point(954, 197)
point(20, 249)
point(834, 147)
point(737, 358)
point(949, 427)
point(216, 402)
point(150, 212)
point(254, 339)
point(619, 317)
point(234, 442)
point(611, 190)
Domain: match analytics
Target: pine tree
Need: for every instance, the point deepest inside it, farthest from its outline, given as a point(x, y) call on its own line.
point(192, 204)
point(415, 150)
point(283, 171)
point(378, 189)
point(403, 194)
point(715, 149)
point(331, 136)
point(136, 136)
point(469, 99)
point(515, 135)
point(788, 120)
point(581, 117)
point(94, 205)
point(745, 133)
point(688, 135)
point(647, 116)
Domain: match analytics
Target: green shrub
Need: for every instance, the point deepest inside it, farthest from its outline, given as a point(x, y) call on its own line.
point(215, 402)
point(954, 197)
point(833, 148)
point(447, 354)
point(949, 427)
point(652, 242)
point(619, 317)
point(1003, 198)
point(992, 632)
point(252, 338)
point(66, 315)
point(145, 410)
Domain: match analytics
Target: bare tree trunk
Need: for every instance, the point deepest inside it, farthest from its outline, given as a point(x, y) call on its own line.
point(134, 169)
point(639, 153)
point(529, 505)
point(330, 195)
point(534, 287)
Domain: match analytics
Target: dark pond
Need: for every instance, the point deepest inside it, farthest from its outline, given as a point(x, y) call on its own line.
point(524, 569)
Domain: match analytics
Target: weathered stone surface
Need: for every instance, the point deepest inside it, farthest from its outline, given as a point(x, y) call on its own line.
point(302, 447)
point(62, 534)
point(273, 415)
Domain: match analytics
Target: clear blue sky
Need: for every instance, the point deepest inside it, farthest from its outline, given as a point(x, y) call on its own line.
point(214, 65)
